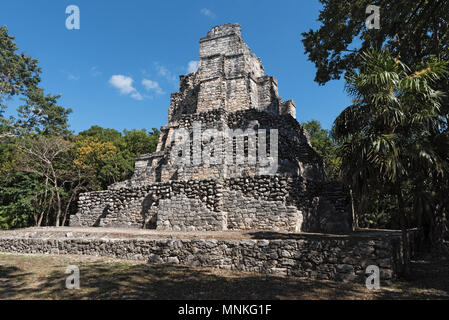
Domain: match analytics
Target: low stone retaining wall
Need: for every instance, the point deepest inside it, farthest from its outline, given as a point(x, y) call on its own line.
point(315, 257)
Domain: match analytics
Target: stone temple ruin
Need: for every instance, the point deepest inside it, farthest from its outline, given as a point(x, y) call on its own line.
point(279, 188)
point(230, 91)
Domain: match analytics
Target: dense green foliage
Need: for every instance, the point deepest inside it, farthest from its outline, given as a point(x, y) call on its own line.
point(19, 72)
point(119, 165)
point(41, 176)
point(412, 30)
point(393, 140)
point(326, 147)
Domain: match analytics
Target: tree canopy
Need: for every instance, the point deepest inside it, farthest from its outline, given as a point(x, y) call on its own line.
point(393, 139)
point(390, 137)
point(323, 143)
point(411, 30)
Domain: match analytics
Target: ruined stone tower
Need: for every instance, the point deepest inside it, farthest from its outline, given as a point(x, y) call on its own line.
point(230, 95)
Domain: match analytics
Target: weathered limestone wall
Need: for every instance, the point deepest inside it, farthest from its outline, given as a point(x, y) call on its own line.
point(321, 257)
point(140, 206)
point(229, 76)
point(296, 156)
point(245, 213)
point(183, 214)
point(277, 203)
point(288, 108)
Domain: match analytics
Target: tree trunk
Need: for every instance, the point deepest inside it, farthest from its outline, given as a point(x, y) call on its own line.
point(67, 208)
point(58, 214)
point(41, 216)
point(58, 203)
point(58, 196)
point(355, 220)
point(404, 231)
point(439, 230)
point(39, 223)
point(36, 219)
point(64, 219)
point(48, 208)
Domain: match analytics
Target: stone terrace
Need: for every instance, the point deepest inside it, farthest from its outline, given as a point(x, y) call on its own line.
point(316, 256)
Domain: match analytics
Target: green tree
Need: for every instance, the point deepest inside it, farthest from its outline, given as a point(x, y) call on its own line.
point(119, 166)
point(18, 72)
point(104, 135)
point(48, 158)
point(387, 135)
point(20, 200)
point(93, 155)
point(141, 142)
point(42, 115)
point(20, 76)
point(323, 143)
point(412, 30)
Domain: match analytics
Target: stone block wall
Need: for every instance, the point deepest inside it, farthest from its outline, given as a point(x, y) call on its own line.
point(295, 155)
point(277, 203)
point(244, 213)
point(184, 101)
point(288, 108)
point(237, 96)
point(140, 206)
point(228, 42)
point(229, 76)
point(209, 96)
point(183, 214)
point(314, 256)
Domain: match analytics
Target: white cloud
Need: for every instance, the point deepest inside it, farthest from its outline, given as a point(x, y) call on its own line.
point(164, 72)
point(95, 72)
point(72, 77)
point(136, 95)
point(208, 13)
point(152, 85)
point(124, 84)
point(192, 67)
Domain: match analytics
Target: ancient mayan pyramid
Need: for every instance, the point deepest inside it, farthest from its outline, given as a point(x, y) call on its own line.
point(229, 93)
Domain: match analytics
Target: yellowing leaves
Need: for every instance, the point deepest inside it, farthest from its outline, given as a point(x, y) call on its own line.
point(91, 153)
point(421, 72)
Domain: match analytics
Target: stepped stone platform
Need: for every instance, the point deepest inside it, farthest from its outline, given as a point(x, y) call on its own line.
point(268, 208)
point(243, 162)
point(316, 256)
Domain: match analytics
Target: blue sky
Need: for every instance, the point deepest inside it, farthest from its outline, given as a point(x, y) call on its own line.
point(119, 68)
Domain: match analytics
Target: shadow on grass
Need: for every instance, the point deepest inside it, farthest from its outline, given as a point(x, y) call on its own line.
point(12, 281)
point(101, 280)
point(428, 280)
point(122, 281)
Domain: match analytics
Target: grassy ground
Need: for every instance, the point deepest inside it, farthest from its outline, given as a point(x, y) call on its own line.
point(43, 277)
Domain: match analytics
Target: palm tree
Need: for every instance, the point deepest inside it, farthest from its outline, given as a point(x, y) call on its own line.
point(387, 135)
